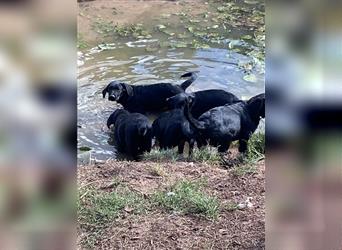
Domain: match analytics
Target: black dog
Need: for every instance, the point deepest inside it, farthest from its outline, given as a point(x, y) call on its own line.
point(145, 98)
point(222, 125)
point(204, 100)
point(132, 132)
point(172, 128)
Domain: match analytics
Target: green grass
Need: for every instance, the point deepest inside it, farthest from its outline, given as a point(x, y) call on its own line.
point(110, 29)
point(245, 169)
point(157, 155)
point(81, 43)
point(158, 170)
point(208, 155)
point(96, 210)
point(256, 151)
point(188, 198)
point(256, 148)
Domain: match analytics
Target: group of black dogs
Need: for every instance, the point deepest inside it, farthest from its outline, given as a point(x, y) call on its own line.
point(214, 117)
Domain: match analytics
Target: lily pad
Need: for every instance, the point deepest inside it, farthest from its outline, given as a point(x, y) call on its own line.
point(151, 49)
point(221, 9)
point(199, 34)
point(84, 149)
point(166, 15)
point(194, 21)
point(251, 2)
point(164, 44)
point(167, 32)
point(250, 78)
point(199, 45)
point(232, 44)
point(181, 36)
point(247, 37)
point(105, 46)
point(180, 45)
point(161, 26)
point(191, 29)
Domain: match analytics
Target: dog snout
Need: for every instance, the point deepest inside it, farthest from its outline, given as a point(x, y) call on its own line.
point(112, 98)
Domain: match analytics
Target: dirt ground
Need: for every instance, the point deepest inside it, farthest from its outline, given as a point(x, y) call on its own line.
point(124, 12)
point(158, 229)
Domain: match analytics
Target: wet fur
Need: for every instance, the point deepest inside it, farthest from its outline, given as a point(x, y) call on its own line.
point(222, 125)
point(204, 100)
point(145, 98)
point(172, 128)
point(132, 132)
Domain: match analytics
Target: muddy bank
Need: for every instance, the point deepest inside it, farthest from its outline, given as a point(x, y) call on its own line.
point(176, 24)
point(239, 224)
point(123, 12)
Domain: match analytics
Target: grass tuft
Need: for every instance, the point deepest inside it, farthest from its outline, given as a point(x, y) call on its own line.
point(157, 155)
point(81, 43)
point(158, 170)
point(208, 155)
point(187, 197)
point(110, 29)
point(241, 170)
point(256, 148)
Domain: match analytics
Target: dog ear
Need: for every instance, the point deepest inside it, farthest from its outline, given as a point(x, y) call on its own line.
point(114, 116)
point(256, 106)
point(105, 91)
point(128, 88)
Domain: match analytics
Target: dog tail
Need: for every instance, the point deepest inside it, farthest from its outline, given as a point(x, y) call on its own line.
point(143, 130)
point(187, 83)
point(194, 122)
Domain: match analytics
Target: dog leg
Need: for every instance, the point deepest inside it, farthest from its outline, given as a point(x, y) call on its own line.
point(191, 146)
point(223, 146)
point(181, 147)
point(243, 145)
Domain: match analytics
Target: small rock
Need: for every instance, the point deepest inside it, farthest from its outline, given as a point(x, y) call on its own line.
point(128, 209)
point(170, 194)
point(249, 203)
point(241, 206)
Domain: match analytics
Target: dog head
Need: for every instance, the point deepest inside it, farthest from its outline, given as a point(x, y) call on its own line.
point(114, 116)
point(180, 100)
point(117, 90)
point(256, 106)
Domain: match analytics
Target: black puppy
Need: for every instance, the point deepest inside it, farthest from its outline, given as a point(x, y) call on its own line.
point(145, 98)
point(222, 125)
point(172, 128)
point(132, 132)
point(204, 100)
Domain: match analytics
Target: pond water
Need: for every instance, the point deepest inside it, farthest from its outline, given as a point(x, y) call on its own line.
point(131, 63)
